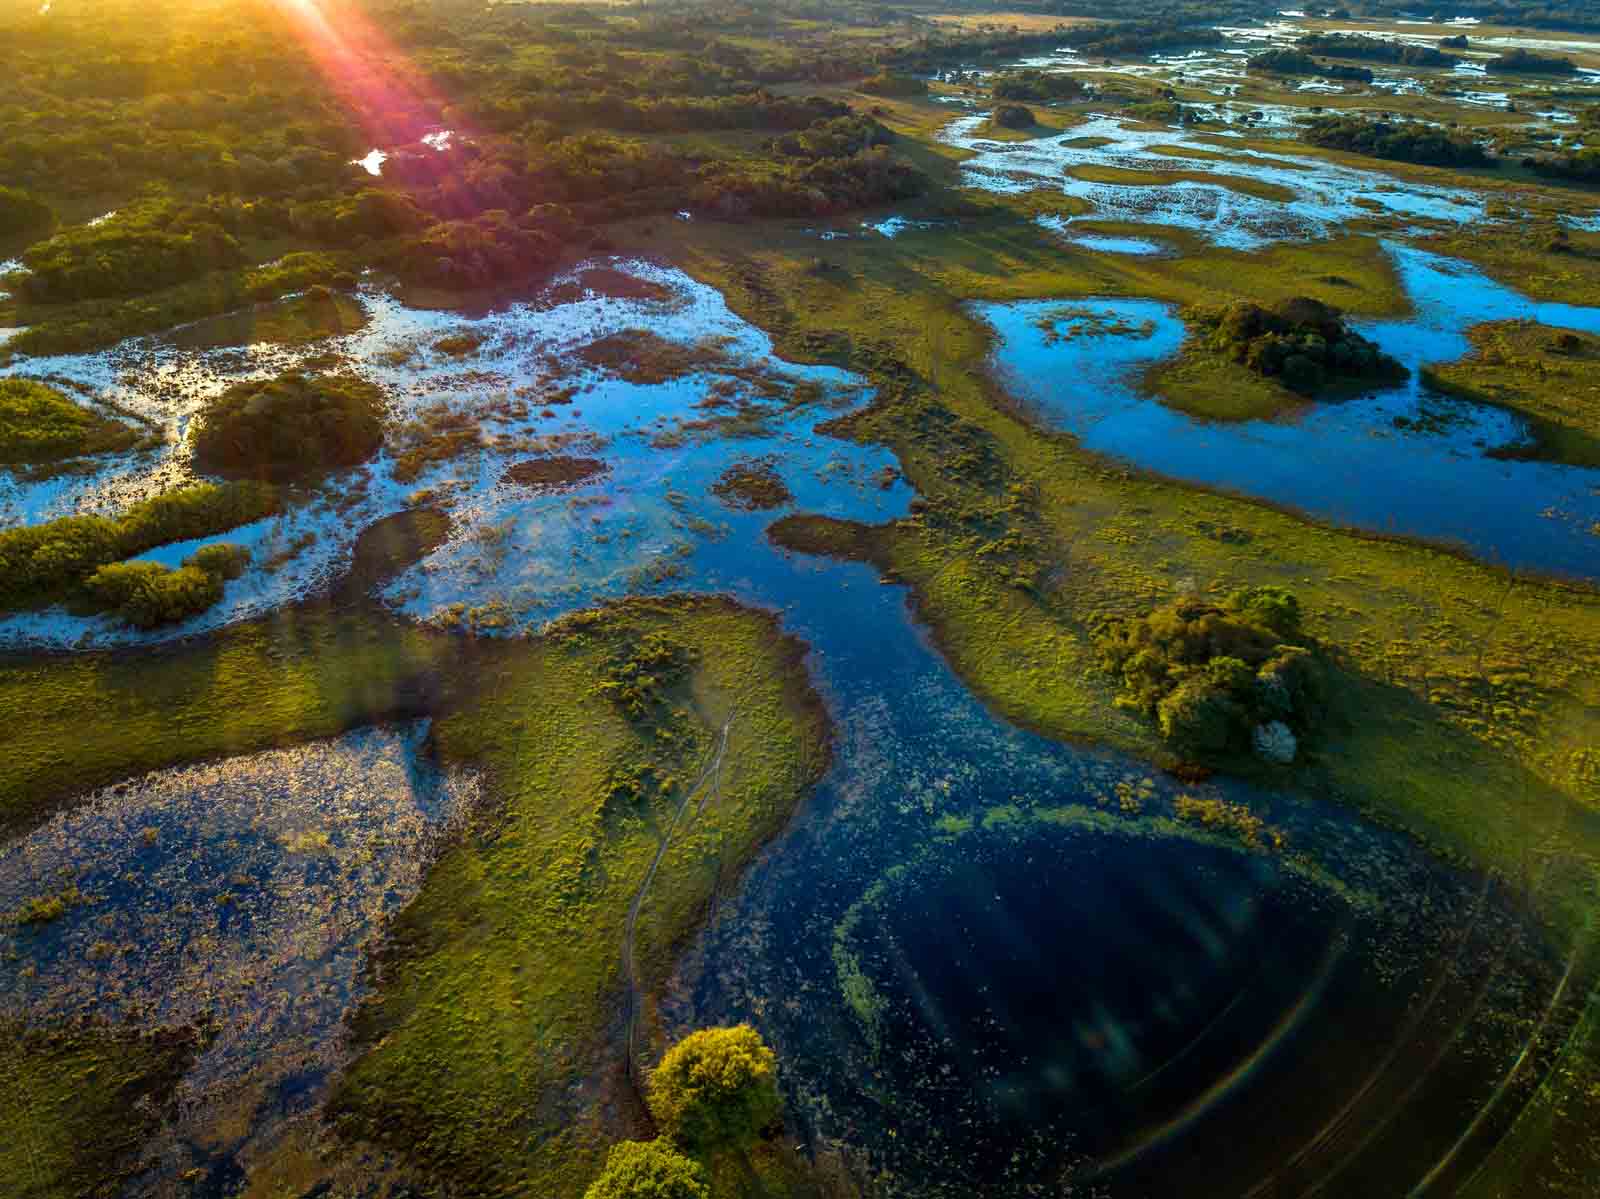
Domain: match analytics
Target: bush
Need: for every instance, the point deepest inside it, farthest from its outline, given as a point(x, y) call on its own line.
point(649, 1170)
point(1038, 86)
point(41, 563)
point(1405, 141)
point(1303, 342)
point(887, 83)
point(289, 427)
point(22, 213)
point(38, 424)
point(148, 594)
point(1013, 116)
point(222, 559)
point(716, 1089)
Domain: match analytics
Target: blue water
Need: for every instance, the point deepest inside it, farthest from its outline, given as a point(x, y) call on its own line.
point(1345, 461)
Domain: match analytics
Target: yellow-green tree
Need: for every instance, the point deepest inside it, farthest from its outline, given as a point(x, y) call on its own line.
point(649, 1170)
point(716, 1089)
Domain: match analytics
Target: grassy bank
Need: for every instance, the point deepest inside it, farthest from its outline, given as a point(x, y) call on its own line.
point(80, 1105)
point(1550, 377)
point(496, 1054)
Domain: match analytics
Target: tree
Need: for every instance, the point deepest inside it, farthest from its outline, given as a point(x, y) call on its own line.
point(649, 1170)
point(716, 1089)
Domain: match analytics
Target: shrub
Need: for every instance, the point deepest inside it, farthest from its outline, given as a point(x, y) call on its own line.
point(1215, 678)
point(1038, 86)
point(148, 594)
point(649, 1170)
point(40, 563)
point(716, 1089)
point(1303, 342)
point(288, 427)
point(1013, 116)
point(22, 213)
point(38, 424)
point(222, 558)
point(887, 83)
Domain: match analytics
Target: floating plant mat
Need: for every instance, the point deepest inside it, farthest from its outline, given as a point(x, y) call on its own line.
point(1397, 460)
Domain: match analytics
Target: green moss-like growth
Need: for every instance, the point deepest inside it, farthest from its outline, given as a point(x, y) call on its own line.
point(649, 1170)
point(1549, 376)
point(39, 425)
point(289, 427)
point(752, 485)
point(1304, 343)
point(41, 564)
point(1217, 679)
point(80, 1104)
point(147, 594)
point(717, 1089)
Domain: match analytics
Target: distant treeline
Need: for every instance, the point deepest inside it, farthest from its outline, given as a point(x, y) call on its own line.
point(1297, 62)
point(1145, 37)
point(1376, 49)
point(1520, 61)
point(1403, 142)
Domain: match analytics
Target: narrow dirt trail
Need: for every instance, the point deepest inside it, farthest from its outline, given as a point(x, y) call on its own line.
point(630, 965)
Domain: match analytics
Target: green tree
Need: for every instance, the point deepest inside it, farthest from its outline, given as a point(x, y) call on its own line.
point(649, 1170)
point(716, 1089)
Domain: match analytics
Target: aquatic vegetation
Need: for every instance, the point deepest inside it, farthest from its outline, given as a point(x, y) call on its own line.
point(289, 427)
point(559, 472)
point(752, 485)
point(38, 424)
point(1216, 679)
point(716, 1089)
point(1302, 341)
point(49, 562)
point(1236, 819)
point(649, 1170)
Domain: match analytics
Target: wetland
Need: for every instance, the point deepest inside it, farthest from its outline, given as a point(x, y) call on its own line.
point(537, 535)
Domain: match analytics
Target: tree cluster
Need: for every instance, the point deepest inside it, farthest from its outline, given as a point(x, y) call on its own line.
point(1402, 141)
point(1221, 679)
point(289, 427)
point(1303, 343)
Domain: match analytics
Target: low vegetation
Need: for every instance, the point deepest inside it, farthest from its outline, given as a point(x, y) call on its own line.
point(1303, 343)
point(289, 427)
point(1550, 377)
point(752, 485)
point(83, 1102)
point(40, 425)
point(679, 728)
point(41, 564)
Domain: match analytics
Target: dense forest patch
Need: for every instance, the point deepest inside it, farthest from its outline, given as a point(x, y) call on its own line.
point(1304, 343)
